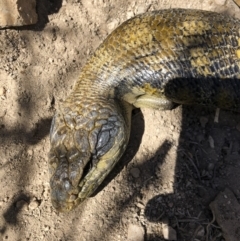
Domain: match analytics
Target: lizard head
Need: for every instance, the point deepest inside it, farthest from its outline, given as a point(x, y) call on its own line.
point(85, 146)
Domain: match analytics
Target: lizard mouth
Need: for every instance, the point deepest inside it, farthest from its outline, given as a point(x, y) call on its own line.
point(65, 196)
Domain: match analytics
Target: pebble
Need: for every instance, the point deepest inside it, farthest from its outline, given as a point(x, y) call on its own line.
point(237, 2)
point(220, 2)
point(30, 152)
point(211, 142)
point(141, 9)
point(124, 220)
point(140, 205)
point(238, 126)
point(211, 166)
point(169, 233)
point(226, 209)
point(172, 127)
point(130, 14)
point(112, 25)
point(21, 203)
point(200, 138)
point(192, 225)
point(33, 204)
point(2, 91)
point(135, 172)
point(45, 193)
point(101, 222)
point(135, 233)
point(46, 228)
point(170, 204)
point(203, 121)
point(201, 231)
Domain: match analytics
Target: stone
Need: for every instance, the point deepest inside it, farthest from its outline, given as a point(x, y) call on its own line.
point(33, 204)
point(211, 142)
point(135, 233)
point(112, 25)
point(226, 210)
point(238, 126)
point(140, 205)
point(220, 2)
point(17, 13)
point(200, 232)
point(169, 233)
point(203, 121)
point(237, 2)
point(21, 204)
point(135, 172)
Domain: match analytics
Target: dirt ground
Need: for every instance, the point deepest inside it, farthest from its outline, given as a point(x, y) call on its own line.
point(176, 162)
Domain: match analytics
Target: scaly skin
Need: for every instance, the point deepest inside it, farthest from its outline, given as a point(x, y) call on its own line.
point(152, 60)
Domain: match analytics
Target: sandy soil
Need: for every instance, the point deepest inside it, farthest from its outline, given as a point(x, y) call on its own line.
point(176, 162)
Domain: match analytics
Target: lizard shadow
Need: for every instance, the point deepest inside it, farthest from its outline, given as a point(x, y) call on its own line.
point(199, 173)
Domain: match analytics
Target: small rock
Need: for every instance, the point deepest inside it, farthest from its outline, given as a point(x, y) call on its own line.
point(203, 121)
point(135, 172)
point(200, 138)
point(211, 142)
point(237, 2)
point(211, 166)
point(169, 233)
point(112, 25)
point(101, 222)
point(220, 2)
point(170, 204)
point(140, 205)
point(226, 210)
point(45, 193)
point(21, 203)
point(140, 9)
point(192, 225)
point(2, 91)
point(216, 117)
point(33, 204)
point(46, 228)
point(124, 220)
point(238, 126)
point(30, 152)
point(17, 13)
point(130, 14)
point(200, 231)
point(135, 233)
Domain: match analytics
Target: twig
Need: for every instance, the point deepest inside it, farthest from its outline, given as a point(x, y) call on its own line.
point(195, 167)
point(196, 232)
point(209, 224)
point(216, 118)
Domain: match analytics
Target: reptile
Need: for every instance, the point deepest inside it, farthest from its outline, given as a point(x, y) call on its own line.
point(154, 60)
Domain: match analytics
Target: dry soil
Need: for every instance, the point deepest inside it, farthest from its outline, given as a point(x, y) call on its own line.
point(176, 162)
